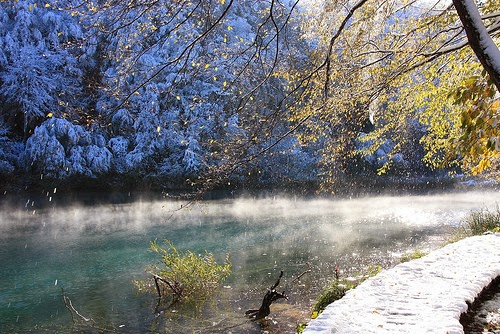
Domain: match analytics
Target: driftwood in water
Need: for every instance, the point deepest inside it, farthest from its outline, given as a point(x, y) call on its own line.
point(83, 324)
point(75, 315)
point(270, 296)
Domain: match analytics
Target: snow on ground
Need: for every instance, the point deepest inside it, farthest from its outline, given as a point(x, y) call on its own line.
point(426, 295)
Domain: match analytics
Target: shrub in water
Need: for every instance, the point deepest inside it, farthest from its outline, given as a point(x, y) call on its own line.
point(184, 276)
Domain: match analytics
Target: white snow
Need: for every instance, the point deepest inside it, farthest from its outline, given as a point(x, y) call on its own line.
point(426, 295)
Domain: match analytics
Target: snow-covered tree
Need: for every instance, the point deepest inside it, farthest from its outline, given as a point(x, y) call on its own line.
point(10, 151)
point(59, 149)
point(38, 73)
point(288, 163)
point(171, 79)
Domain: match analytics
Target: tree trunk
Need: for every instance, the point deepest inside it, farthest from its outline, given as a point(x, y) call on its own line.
point(480, 41)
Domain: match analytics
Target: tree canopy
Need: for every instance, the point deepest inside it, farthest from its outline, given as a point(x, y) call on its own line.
point(205, 93)
point(407, 64)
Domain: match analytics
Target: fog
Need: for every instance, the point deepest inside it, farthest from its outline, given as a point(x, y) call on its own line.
point(424, 210)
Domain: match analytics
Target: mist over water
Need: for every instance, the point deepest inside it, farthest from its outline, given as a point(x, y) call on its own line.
point(94, 252)
point(144, 214)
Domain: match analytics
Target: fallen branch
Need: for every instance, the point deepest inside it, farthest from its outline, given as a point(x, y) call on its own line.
point(69, 305)
point(82, 321)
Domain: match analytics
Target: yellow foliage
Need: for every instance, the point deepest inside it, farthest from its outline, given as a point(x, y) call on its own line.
point(390, 72)
point(478, 141)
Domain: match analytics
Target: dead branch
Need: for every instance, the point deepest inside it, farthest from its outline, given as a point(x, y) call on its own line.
point(74, 313)
point(270, 296)
point(176, 290)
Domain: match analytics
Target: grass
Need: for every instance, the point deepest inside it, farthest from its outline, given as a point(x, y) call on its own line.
point(334, 291)
point(477, 223)
point(337, 289)
point(413, 255)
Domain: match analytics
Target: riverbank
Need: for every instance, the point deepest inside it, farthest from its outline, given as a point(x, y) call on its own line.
point(427, 295)
point(46, 193)
point(127, 188)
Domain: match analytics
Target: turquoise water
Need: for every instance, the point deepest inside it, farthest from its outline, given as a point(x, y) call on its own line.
point(94, 254)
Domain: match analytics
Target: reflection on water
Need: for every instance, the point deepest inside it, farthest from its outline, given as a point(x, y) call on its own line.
point(95, 252)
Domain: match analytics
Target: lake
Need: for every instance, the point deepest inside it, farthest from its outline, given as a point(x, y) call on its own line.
point(93, 253)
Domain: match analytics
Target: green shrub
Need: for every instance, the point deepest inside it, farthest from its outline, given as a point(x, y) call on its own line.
point(184, 276)
point(371, 271)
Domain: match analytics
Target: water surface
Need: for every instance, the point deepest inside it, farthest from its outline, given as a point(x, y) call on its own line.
point(94, 253)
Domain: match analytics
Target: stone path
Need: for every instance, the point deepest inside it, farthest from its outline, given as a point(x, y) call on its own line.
point(426, 295)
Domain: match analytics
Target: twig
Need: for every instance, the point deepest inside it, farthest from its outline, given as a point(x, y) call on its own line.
point(298, 277)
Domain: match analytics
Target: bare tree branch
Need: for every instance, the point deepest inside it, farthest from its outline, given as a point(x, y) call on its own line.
point(181, 56)
point(339, 31)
